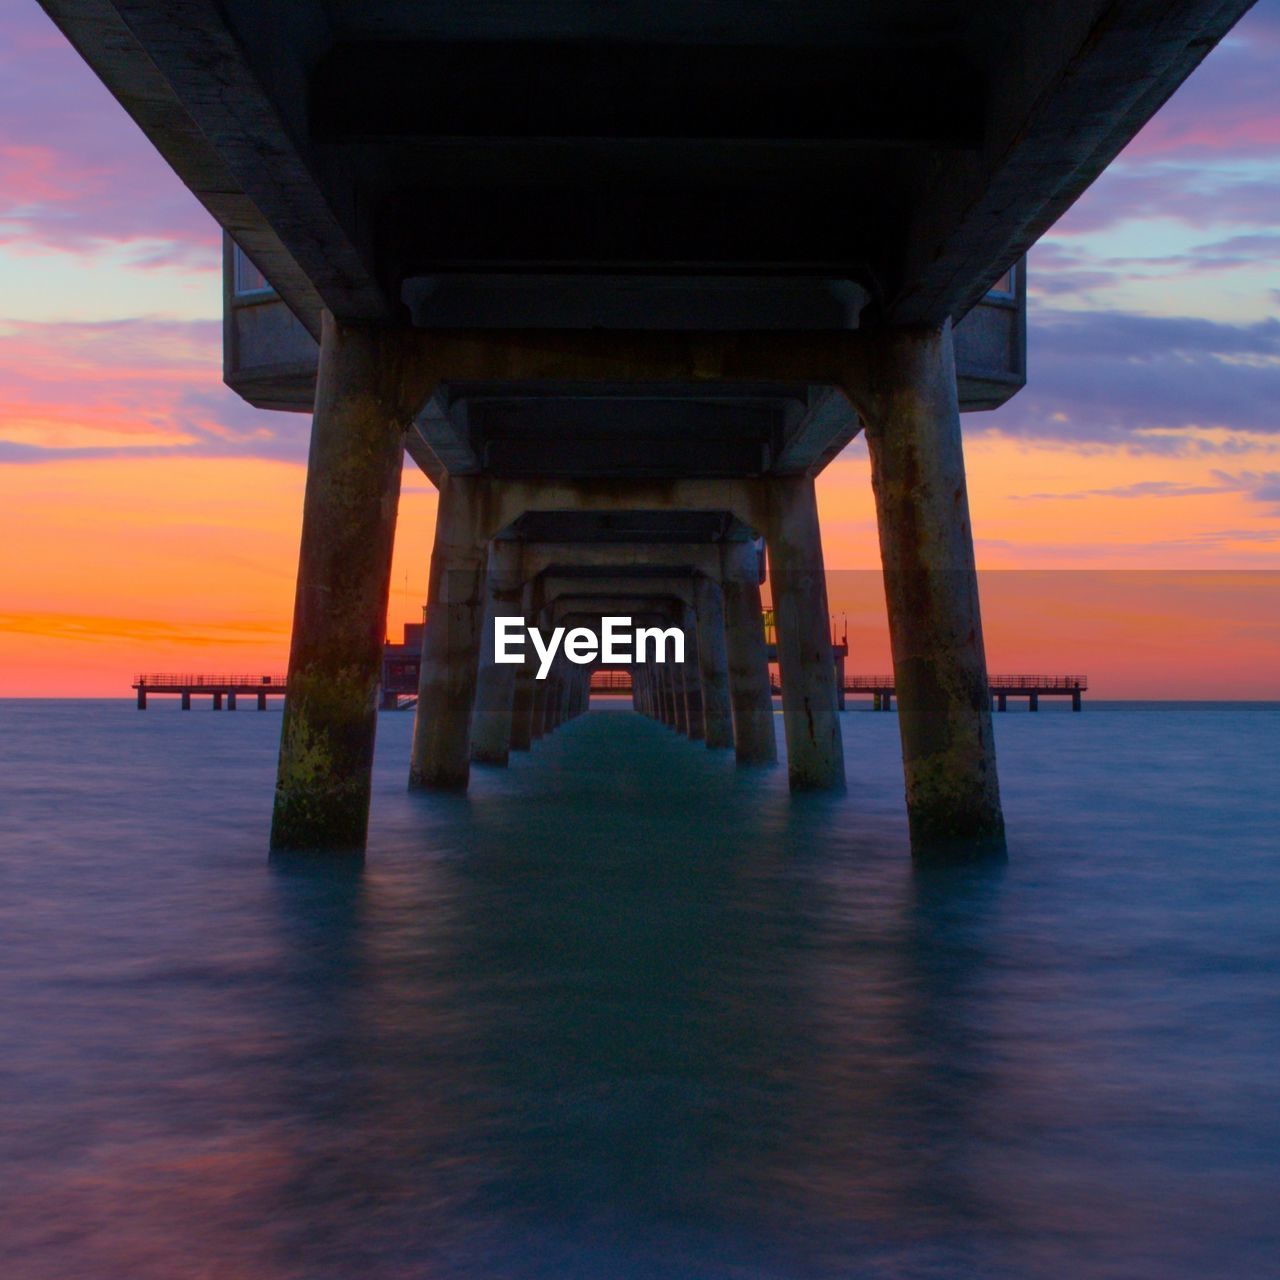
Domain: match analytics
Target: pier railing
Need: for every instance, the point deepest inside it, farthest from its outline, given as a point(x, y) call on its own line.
point(167, 681)
point(998, 683)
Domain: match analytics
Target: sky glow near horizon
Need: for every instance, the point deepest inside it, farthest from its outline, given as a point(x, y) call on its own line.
point(151, 518)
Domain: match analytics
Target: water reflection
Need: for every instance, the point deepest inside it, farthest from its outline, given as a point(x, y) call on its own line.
point(614, 1029)
point(628, 1011)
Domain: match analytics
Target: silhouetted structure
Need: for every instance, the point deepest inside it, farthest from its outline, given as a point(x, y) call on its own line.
point(615, 277)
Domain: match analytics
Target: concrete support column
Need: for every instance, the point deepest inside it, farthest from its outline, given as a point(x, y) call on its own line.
point(692, 670)
point(344, 575)
point(815, 752)
point(522, 696)
point(142, 697)
point(538, 721)
point(551, 702)
point(231, 701)
point(217, 702)
point(713, 659)
point(754, 741)
point(680, 704)
point(450, 643)
point(931, 586)
point(262, 702)
point(496, 682)
point(186, 702)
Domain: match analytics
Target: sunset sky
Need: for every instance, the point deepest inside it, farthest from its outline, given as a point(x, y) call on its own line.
point(149, 518)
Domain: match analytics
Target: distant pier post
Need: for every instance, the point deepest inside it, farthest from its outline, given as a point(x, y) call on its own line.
point(931, 587)
point(217, 702)
point(344, 577)
point(231, 700)
point(186, 701)
point(142, 696)
point(1034, 700)
point(1075, 699)
point(262, 702)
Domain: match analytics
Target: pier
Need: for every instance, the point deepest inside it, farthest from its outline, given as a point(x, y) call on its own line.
point(622, 281)
point(217, 688)
point(883, 689)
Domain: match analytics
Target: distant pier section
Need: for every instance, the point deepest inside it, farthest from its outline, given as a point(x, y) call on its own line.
point(218, 688)
point(1032, 687)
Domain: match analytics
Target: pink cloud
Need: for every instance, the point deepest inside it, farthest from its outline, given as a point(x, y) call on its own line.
point(75, 172)
point(67, 390)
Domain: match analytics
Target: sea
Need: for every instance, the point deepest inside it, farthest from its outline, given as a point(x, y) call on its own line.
point(627, 1011)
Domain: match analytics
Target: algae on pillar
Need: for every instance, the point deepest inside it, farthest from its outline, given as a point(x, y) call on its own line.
point(931, 587)
point(344, 577)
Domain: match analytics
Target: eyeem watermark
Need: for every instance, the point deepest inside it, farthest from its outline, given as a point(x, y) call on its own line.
point(617, 641)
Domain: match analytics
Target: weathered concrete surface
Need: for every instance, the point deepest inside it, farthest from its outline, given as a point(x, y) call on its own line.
point(810, 714)
point(754, 740)
point(717, 711)
point(450, 643)
point(344, 575)
point(491, 723)
point(931, 586)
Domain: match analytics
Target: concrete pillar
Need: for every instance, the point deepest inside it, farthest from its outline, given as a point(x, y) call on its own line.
point(186, 702)
point(142, 697)
point(754, 741)
point(231, 700)
point(262, 702)
point(1075, 700)
point(815, 752)
point(522, 696)
point(713, 657)
point(875, 702)
point(450, 644)
point(538, 722)
point(522, 709)
point(680, 704)
point(692, 671)
point(931, 586)
point(550, 703)
point(217, 702)
point(496, 682)
point(344, 575)
point(1034, 701)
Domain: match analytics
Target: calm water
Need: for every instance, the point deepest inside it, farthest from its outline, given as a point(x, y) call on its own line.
point(627, 1011)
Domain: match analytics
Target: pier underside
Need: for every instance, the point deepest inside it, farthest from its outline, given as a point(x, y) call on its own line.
point(622, 279)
